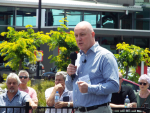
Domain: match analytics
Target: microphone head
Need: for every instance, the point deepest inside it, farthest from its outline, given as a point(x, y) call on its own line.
point(73, 55)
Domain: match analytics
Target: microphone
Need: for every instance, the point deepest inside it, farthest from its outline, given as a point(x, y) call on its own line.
point(84, 61)
point(73, 57)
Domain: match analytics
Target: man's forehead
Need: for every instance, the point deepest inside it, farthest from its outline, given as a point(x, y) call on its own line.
point(59, 77)
point(23, 73)
point(12, 80)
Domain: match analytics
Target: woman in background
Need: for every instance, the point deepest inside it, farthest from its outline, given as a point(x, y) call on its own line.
point(143, 96)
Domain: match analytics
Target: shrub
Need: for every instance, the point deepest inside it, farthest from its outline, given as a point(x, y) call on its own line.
point(40, 89)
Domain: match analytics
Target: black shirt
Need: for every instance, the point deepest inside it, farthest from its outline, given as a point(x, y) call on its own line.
point(118, 98)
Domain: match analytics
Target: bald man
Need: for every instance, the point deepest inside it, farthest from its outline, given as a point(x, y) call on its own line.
point(96, 73)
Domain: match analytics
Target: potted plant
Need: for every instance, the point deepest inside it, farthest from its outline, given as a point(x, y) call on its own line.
point(131, 56)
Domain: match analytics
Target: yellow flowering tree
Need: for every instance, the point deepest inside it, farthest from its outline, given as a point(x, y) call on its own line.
point(66, 43)
point(21, 45)
point(131, 56)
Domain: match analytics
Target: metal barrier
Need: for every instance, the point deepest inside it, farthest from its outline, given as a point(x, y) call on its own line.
point(26, 108)
point(144, 109)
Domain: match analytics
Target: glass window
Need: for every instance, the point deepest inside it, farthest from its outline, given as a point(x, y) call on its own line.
point(6, 15)
point(74, 17)
point(142, 42)
point(143, 19)
point(108, 43)
point(92, 17)
point(108, 20)
point(57, 14)
point(26, 16)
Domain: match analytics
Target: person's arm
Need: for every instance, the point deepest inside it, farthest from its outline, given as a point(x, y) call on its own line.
point(132, 97)
point(61, 104)
point(109, 68)
point(69, 83)
point(51, 98)
point(34, 97)
point(27, 98)
point(130, 105)
point(116, 105)
point(32, 104)
point(71, 69)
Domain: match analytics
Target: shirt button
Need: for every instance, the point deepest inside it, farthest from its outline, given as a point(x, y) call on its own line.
point(81, 72)
point(76, 99)
point(76, 90)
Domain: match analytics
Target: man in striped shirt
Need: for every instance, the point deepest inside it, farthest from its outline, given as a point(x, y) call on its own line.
point(96, 73)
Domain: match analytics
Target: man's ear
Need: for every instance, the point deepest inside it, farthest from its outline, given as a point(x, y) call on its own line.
point(93, 34)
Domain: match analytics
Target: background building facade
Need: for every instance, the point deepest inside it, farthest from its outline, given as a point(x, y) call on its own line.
point(114, 21)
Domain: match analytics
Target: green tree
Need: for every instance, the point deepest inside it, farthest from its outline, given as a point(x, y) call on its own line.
point(66, 43)
point(21, 45)
point(131, 56)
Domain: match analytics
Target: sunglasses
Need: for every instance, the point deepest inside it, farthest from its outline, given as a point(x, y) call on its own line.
point(25, 77)
point(140, 83)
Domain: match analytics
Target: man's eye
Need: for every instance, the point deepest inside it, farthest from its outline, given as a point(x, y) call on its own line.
point(76, 35)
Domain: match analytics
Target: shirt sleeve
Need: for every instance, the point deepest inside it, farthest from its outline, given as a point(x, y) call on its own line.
point(26, 98)
point(109, 69)
point(48, 92)
point(69, 83)
point(131, 95)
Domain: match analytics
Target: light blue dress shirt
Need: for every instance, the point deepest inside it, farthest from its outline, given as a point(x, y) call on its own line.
point(18, 100)
point(102, 69)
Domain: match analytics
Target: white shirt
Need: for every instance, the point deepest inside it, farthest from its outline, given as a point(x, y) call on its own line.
point(65, 93)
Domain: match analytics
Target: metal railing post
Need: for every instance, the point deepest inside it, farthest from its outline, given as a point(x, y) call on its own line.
point(27, 107)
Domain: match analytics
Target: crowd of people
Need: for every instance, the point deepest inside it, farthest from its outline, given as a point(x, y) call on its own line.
point(97, 85)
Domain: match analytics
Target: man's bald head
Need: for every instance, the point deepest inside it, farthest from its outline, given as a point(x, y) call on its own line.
point(84, 24)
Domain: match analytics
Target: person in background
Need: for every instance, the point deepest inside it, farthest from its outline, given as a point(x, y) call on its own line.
point(65, 95)
point(118, 98)
point(24, 78)
point(96, 73)
point(14, 97)
point(143, 96)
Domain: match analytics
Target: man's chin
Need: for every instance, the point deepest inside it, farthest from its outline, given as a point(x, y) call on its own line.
point(11, 91)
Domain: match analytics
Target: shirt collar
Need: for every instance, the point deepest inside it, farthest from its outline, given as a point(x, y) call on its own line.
point(5, 94)
point(93, 48)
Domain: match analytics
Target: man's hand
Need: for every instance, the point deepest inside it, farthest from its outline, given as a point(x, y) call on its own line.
point(35, 101)
point(71, 69)
point(83, 86)
point(59, 104)
point(33, 105)
point(59, 87)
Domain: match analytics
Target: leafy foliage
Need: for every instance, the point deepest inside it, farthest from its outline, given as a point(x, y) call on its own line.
point(131, 56)
point(21, 46)
point(66, 43)
point(40, 89)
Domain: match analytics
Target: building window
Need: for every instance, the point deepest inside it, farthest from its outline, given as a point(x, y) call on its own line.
point(6, 15)
point(93, 18)
point(26, 16)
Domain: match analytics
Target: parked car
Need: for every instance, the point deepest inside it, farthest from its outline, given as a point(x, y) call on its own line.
point(50, 75)
point(32, 68)
point(132, 84)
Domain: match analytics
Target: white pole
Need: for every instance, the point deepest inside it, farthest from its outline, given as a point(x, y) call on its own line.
point(142, 67)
